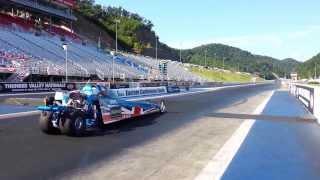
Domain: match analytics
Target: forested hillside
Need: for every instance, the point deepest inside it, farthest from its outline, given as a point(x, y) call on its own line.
point(308, 68)
point(290, 65)
point(223, 56)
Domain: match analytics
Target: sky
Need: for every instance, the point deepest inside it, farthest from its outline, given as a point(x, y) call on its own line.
point(277, 28)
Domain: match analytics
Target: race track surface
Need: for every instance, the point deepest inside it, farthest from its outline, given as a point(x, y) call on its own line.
point(27, 153)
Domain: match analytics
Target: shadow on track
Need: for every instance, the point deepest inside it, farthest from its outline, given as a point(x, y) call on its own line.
point(290, 119)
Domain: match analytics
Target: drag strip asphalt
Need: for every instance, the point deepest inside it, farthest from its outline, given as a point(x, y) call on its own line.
point(27, 153)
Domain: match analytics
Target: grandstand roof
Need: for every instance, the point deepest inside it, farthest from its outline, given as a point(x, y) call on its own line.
point(34, 6)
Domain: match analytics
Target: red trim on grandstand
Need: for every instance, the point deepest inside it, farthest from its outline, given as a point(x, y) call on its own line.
point(28, 25)
point(55, 8)
point(7, 69)
point(8, 20)
point(70, 3)
point(60, 31)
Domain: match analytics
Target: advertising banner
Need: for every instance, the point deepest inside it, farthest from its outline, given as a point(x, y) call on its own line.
point(131, 92)
point(35, 87)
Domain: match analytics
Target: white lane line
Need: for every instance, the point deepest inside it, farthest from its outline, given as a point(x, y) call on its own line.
point(222, 159)
point(19, 114)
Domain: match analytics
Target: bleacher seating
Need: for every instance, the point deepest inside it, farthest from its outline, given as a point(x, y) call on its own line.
point(176, 70)
point(44, 55)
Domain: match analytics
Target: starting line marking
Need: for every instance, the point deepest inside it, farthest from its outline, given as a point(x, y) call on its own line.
point(221, 160)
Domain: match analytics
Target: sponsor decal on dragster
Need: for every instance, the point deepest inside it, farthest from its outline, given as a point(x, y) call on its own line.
point(138, 111)
point(134, 111)
point(151, 110)
point(126, 111)
point(107, 118)
point(125, 114)
point(111, 114)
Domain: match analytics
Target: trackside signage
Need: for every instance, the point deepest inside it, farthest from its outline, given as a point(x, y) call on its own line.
point(35, 87)
point(130, 92)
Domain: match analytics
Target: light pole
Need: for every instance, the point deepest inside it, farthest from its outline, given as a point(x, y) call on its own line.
point(180, 53)
point(215, 59)
point(157, 56)
point(156, 48)
point(223, 63)
point(117, 21)
point(205, 58)
point(315, 71)
point(65, 48)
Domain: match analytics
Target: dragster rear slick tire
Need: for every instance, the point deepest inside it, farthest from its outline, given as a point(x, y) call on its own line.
point(45, 123)
point(73, 125)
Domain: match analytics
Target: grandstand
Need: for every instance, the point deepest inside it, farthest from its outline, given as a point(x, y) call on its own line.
point(32, 35)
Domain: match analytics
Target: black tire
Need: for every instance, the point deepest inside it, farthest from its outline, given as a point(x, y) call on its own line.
point(100, 123)
point(45, 123)
point(73, 125)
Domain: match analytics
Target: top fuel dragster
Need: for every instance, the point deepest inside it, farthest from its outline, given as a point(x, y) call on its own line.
point(75, 112)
